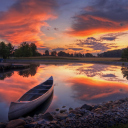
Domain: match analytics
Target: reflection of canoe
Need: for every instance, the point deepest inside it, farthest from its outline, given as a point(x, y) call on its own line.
point(31, 99)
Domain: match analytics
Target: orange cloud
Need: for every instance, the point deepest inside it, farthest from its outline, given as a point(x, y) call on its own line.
point(23, 21)
point(93, 25)
point(100, 18)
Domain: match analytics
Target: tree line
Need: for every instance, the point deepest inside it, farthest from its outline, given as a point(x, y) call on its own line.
point(64, 54)
point(28, 50)
point(24, 50)
point(121, 53)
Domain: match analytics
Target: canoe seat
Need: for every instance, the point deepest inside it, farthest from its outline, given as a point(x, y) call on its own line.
point(40, 89)
point(46, 85)
point(35, 93)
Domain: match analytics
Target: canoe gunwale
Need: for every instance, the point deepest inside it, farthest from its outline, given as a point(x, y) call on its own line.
point(18, 106)
point(30, 101)
point(24, 102)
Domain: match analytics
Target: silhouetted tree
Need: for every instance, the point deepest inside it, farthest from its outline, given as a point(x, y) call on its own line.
point(30, 71)
point(10, 49)
point(61, 53)
point(53, 53)
point(24, 50)
point(125, 53)
point(34, 49)
point(46, 53)
point(125, 72)
point(71, 55)
point(88, 55)
point(4, 51)
point(18, 53)
point(6, 75)
point(113, 53)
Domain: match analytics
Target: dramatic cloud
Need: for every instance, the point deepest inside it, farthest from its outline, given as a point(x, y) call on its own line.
point(43, 49)
point(109, 38)
point(112, 36)
point(102, 16)
point(24, 19)
point(95, 44)
point(59, 49)
point(76, 49)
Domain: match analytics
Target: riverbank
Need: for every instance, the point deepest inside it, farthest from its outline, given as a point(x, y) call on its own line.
point(48, 60)
point(104, 115)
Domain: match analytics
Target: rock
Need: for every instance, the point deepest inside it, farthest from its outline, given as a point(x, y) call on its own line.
point(63, 106)
point(61, 116)
point(64, 110)
point(70, 109)
point(40, 115)
point(95, 106)
point(43, 121)
point(87, 107)
point(71, 115)
point(48, 116)
point(57, 109)
point(15, 123)
point(29, 119)
point(77, 108)
point(31, 125)
point(53, 122)
point(73, 111)
point(2, 125)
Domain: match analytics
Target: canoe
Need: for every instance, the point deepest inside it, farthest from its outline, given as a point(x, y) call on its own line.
point(31, 99)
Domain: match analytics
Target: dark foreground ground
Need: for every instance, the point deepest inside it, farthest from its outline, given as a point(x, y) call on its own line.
point(113, 114)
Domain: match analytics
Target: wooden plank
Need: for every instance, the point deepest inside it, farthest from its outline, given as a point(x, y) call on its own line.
point(17, 65)
point(5, 64)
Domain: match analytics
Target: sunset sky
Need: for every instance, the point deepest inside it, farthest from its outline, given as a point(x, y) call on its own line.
point(72, 26)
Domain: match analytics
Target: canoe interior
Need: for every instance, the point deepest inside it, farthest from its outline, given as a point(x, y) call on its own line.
point(37, 91)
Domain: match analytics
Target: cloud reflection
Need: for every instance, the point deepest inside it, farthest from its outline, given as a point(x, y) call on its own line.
point(93, 90)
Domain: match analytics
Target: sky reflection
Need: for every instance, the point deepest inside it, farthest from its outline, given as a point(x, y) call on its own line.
point(75, 84)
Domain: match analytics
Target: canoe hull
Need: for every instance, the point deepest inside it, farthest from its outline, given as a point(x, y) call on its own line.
point(19, 109)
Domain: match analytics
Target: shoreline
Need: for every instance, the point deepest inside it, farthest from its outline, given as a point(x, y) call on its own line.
point(104, 115)
point(121, 63)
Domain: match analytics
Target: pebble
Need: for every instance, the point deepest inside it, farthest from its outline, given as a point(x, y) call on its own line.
point(70, 109)
point(2, 125)
point(103, 115)
point(48, 116)
point(16, 123)
point(63, 110)
point(57, 109)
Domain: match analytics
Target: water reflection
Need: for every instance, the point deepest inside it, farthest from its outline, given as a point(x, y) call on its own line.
point(41, 108)
point(125, 72)
point(4, 75)
point(31, 71)
point(77, 84)
point(94, 91)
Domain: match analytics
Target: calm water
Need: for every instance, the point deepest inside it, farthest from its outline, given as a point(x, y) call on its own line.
point(75, 85)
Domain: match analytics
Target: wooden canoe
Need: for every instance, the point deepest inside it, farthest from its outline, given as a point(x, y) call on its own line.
point(31, 99)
